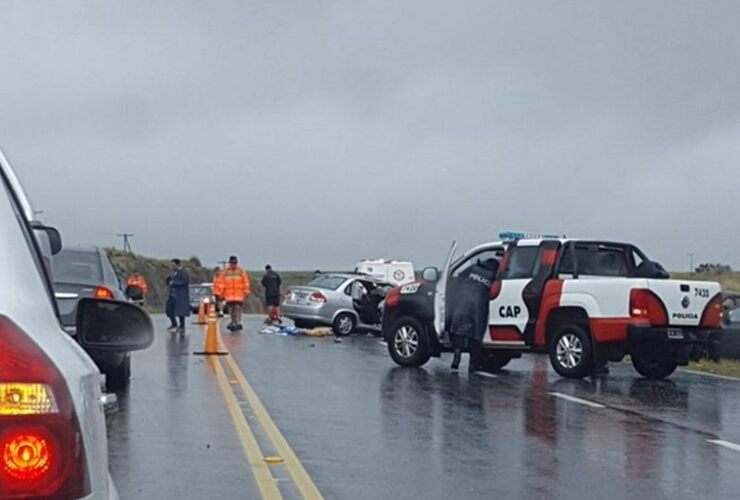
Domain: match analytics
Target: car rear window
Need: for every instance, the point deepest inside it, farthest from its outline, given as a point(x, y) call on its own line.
point(74, 266)
point(200, 291)
point(328, 282)
point(596, 260)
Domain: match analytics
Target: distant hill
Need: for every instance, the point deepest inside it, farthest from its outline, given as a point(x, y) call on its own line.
point(155, 272)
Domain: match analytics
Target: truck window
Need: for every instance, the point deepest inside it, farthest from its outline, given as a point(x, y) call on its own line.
point(523, 263)
point(492, 253)
point(596, 260)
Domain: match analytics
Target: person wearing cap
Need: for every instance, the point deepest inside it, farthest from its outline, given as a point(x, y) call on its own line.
point(178, 300)
point(232, 285)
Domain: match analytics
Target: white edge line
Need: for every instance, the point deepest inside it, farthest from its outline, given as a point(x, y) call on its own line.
point(576, 400)
point(485, 374)
point(726, 444)
point(706, 374)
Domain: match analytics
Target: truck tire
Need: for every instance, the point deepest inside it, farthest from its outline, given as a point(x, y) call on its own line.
point(652, 361)
point(117, 378)
point(571, 352)
point(344, 324)
point(491, 360)
point(408, 344)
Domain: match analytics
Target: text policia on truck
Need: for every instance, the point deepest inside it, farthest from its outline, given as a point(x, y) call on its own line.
point(584, 302)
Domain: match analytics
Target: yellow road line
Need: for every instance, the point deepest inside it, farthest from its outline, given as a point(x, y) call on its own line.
point(261, 470)
point(298, 473)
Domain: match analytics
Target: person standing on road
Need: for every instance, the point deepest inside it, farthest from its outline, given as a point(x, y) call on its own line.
point(271, 282)
point(178, 300)
point(136, 288)
point(232, 285)
point(470, 317)
point(219, 300)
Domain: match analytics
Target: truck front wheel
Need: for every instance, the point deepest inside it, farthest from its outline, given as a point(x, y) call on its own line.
point(571, 352)
point(654, 361)
point(408, 344)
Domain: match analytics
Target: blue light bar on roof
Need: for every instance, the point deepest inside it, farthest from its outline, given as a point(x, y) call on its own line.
point(513, 235)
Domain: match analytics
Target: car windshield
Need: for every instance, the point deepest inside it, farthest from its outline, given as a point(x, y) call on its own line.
point(328, 282)
point(77, 266)
point(200, 290)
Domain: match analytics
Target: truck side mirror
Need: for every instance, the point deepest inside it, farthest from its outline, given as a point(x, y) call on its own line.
point(430, 274)
point(110, 325)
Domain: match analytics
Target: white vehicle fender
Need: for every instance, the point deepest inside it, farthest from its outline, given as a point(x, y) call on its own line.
point(584, 301)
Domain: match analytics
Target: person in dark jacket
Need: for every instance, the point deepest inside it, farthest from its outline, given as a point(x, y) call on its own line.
point(178, 300)
point(271, 281)
point(470, 317)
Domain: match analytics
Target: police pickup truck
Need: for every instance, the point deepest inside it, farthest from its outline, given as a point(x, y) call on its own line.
point(584, 302)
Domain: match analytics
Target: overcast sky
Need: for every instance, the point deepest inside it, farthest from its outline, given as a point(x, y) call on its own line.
point(311, 134)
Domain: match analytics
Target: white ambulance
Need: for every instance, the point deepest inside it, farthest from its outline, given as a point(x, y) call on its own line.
point(395, 272)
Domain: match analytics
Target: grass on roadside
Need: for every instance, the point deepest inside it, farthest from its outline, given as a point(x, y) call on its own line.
point(726, 367)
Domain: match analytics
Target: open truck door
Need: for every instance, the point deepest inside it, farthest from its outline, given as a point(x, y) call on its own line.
point(441, 295)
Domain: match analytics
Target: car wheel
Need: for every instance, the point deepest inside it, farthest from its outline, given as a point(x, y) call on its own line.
point(344, 324)
point(408, 344)
point(652, 361)
point(117, 378)
point(490, 360)
point(571, 354)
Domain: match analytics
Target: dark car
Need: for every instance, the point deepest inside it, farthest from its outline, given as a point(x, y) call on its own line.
point(199, 292)
point(87, 273)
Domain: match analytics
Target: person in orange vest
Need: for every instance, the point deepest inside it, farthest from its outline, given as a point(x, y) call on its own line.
point(219, 300)
point(136, 288)
point(232, 284)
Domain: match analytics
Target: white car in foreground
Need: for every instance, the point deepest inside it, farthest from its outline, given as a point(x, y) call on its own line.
point(52, 425)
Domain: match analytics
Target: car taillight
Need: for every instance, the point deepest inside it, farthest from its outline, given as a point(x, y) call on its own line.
point(317, 297)
point(103, 292)
point(41, 449)
point(647, 307)
point(391, 300)
point(712, 315)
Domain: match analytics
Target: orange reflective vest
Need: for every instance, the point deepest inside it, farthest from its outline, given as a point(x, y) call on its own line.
point(140, 282)
point(232, 285)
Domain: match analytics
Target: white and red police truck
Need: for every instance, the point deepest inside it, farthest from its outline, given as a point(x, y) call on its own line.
point(584, 302)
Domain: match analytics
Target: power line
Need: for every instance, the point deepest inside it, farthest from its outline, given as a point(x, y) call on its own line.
point(126, 243)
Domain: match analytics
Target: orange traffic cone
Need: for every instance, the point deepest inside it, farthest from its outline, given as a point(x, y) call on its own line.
point(211, 344)
point(201, 313)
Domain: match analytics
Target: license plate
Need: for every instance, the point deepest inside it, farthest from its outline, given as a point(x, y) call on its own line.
point(675, 334)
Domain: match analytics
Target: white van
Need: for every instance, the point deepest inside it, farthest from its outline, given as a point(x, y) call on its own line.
point(391, 271)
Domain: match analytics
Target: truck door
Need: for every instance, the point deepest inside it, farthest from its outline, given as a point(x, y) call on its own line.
point(441, 296)
point(516, 294)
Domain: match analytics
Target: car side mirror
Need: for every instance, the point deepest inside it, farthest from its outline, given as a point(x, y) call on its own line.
point(110, 325)
point(52, 236)
point(430, 274)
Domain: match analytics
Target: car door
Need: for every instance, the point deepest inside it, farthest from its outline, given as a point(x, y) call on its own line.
point(517, 293)
point(441, 293)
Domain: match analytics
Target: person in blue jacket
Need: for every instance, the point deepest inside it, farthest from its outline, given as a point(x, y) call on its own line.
point(178, 300)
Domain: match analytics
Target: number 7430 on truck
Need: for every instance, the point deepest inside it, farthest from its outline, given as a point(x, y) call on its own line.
point(583, 302)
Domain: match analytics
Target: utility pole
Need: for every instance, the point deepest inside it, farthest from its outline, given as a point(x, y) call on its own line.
point(691, 262)
point(223, 264)
point(126, 243)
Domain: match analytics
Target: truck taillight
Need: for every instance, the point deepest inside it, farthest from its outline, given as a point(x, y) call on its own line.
point(103, 292)
point(645, 306)
point(317, 297)
point(41, 449)
point(391, 300)
point(712, 315)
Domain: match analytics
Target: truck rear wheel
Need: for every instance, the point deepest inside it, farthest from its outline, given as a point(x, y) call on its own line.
point(654, 361)
point(408, 344)
point(571, 351)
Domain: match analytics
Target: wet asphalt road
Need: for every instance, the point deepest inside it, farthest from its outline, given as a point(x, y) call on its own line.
point(366, 429)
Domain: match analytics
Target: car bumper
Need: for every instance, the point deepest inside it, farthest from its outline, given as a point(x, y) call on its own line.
point(318, 313)
point(676, 335)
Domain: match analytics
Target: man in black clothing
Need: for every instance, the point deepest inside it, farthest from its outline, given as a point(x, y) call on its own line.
point(470, 317)
point(271, 281)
